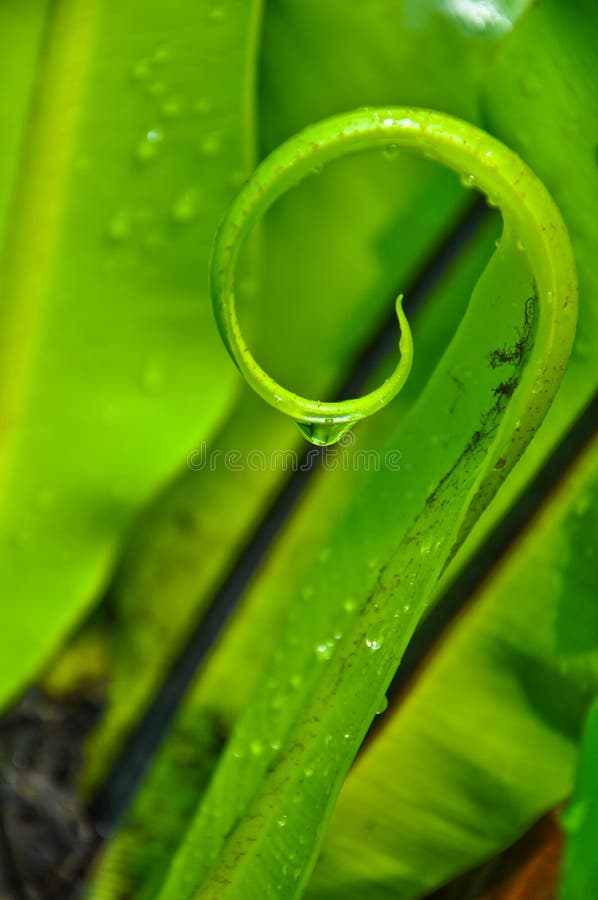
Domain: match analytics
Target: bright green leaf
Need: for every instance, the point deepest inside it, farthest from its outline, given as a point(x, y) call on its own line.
point(111, 367)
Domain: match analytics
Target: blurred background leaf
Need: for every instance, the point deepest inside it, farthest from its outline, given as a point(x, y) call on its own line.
point(580, 818)
point(126, 146)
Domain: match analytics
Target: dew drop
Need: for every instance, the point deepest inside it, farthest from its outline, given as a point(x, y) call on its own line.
point(324, 650)
point(171, 108)
point(256, 747)
point(141, 70)
point(282, 822)
point(161, 54)
point(323, 434)
point(185, 206)
point(468, 181)
point(148, 147)
point(382, 706)
point(308, 772)
point(210, 145)
point(373, 643)
point(350, 604)
point(119, 228)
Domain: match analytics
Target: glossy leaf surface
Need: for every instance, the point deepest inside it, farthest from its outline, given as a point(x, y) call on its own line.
point(485, 741)
point(134, 143)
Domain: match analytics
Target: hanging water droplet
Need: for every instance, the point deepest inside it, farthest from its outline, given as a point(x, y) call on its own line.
point(382, 706)
point(323, 434)
point(468, 181)
point(185, 206)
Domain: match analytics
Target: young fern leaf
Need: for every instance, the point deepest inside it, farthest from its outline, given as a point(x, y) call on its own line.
point(481, 161)
point(259, 827)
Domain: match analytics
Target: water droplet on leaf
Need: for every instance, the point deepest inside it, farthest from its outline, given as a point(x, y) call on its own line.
point(119, 228)
point(185, 206)
point(374, 643)
point(323, 434)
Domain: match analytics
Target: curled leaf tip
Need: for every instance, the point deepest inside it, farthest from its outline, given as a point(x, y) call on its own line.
point(478, 158)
